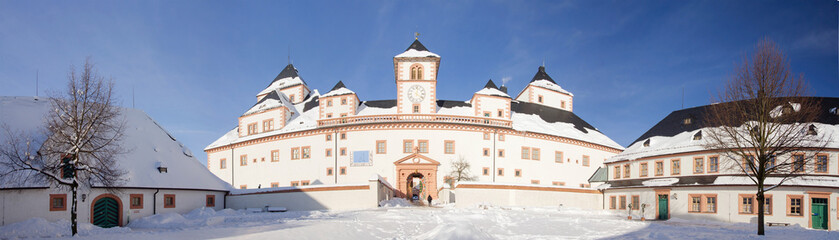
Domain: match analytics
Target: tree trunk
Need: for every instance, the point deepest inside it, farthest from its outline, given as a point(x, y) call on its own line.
point(73, 215)
point(760, 208)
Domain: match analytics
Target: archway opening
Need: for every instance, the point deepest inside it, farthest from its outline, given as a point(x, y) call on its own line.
point(416, 186)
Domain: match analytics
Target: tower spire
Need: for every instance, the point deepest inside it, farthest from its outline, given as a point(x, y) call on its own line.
point(416, 35)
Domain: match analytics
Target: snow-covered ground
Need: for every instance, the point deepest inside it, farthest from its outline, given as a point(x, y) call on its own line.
point(407, 222)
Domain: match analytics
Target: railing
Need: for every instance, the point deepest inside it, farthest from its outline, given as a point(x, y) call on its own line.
point(415, 118)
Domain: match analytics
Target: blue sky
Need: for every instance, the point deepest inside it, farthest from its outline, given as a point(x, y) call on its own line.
point(195, 66)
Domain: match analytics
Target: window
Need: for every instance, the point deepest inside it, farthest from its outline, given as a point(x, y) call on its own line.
point(770, 163)
point(416, 72)
point(307, 152)
point(304, 183)
point(343, 101)
point(222, 163)
point(687, 121)
point(821, 164)
point(343, 115)
point(644, 170)
point(328, 115)
point(295, 153)
point(500, 113)
point(211, 201)
point(330, 171)
point(676, 167)
point(291, 98)
point(698, 166)
point(711, 204)
point(635, 202)
point(448, 146)
point(559, 183)
point(343, 171)
point(415, 108)
point(748, 161)
point(558, 156)
point(811, 130)
point(328, 137)
point(647, 143)
point(534, 181)
point(295, 183)
point(407, 146)
point(422, 146)
point(343, 136)
point(487, 114)
point(268, 125)
point(244, 186)
point(329, 103)
point(136, 201)
point(343, 151)
point(659, 168)
point(562, 104)
point(540, 99)
point(381, 147)
point(486, 152)
point(695, 203)
point(697, 136)
point(500, 172)
point(612, 203)
point(486, 171)
point(626, 171)
point(623, 202)
point(168, 200)
point(525, 153)
point(617, 172)
point(361, 157)
point(275, 155)
point(794, 205)
point(243, 160)
point(58, 202)
point(585, 185)
point(329, 152)
point(767, 204)
point(275, 184)
point(500, 152)
point(535, 154)
point(501, 137)
point(486, 136)
point(251, 128)
point(585, 161)
point(518, 172)
point(798, 162)
point(746, 204)
point(713, 164)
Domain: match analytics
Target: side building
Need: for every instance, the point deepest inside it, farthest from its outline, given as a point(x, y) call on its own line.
point(294, 136)
point(668, 173)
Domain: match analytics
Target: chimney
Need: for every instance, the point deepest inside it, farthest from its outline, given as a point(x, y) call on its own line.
point(503, 88)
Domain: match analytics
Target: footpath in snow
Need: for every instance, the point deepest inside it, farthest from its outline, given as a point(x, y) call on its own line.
point(402, 220)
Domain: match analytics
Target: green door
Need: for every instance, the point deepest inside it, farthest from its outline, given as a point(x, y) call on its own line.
point(819, 213)
point(106, 212)
point(662, 207)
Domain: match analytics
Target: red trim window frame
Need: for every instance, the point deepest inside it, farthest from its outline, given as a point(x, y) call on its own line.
point(627, 171)
point(406, 148)
point(275, 155)
point(381, 146)
point(617, 172)
point(800, 205)
point(586, 161)
point(306, 152)
point(535, 154)
point(676, 166)
point(210, 200)
point(698, 165)
point(485, 152)
point(55, 198)
point(485, 171)
point(328, 152)
point(658, 168)
point(343, 151)
point(613, 203)
point(558, 155)
point(501, 153)
point(517, 173)
point(644, 169)
point(330, 171)
point(816, 164)
point(139, 203)
point(525, 153)
point(295, 153)
point(448, 146)
point(167, 203)
point(716, 165)
point(243, 160)
point(420, 148)
point(500, 172)
point(622, 205)
point(342, 171)
point(222, 163)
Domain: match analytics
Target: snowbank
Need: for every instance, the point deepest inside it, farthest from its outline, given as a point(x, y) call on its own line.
point(41, 228)
point(396, 202)
point(199, 217)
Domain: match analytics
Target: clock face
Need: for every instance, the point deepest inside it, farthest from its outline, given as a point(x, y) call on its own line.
point(416, 93)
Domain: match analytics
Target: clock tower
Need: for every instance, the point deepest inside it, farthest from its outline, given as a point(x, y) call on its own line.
point(416, 80)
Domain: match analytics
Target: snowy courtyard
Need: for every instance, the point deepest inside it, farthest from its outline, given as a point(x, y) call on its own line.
point(407, 222)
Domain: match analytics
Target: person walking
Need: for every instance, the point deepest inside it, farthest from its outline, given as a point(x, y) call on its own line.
point(429, 200)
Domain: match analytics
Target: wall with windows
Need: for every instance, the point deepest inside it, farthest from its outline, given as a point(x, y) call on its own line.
point(788, 204)
point(266, 121)
point(22, 204)
point(491, 106)
point(547, 97)
point(338, 106)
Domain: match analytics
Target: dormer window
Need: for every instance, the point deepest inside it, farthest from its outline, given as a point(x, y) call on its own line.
point(329, 103)
point(540, 99)
point(647, 143)
point(697, 136)
point(787, 109)
point(811, 130)
point(687, 121)
point(416, 72)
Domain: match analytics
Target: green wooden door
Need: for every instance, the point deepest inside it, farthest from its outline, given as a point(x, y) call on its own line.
point(106, 212)
point(662, 207)
point(819, 213)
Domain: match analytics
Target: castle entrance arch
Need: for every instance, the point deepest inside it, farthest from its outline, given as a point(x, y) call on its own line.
point(417, 175)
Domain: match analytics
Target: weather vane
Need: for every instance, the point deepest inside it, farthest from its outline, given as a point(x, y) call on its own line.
point(416, 35)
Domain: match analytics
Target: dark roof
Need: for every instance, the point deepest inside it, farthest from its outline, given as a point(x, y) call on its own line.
point(600, 175)
point(673, 125)
point(381, 103)
point(503, 88)
point(271, 95)
point(417, 46)
point(288, 72)
point(687, 180)
point(541, 74)
point(312, 103)
point(490, 84)
point(451, 104)
point(338, 85)
point(551, 115)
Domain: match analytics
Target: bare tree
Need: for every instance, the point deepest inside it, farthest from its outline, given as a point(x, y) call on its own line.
point(764, 123)
point(79, 143)
point(460, 172)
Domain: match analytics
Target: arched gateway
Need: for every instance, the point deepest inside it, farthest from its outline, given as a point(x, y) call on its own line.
point(417, 173)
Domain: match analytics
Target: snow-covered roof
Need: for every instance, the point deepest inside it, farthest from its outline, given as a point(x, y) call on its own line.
point(417, 50)
point(148, 145)
point(273, 100)
point(286, 79)
point(338, 90)
point(550, 86)
point(491, 90)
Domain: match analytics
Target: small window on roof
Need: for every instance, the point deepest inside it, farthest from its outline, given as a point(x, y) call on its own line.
point(698, 135)
point(687, 121)
point(647, 143)
point(811, 130)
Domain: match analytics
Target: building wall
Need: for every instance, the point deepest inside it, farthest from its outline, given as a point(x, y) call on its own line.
point(299, 92)
point(20, 205)
point(474, 194)
point(342, 197)
point(337, 109)
point(469, 144)
point(549, 98)
point(279, 115)
point(728, 207)
point(491, 104)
